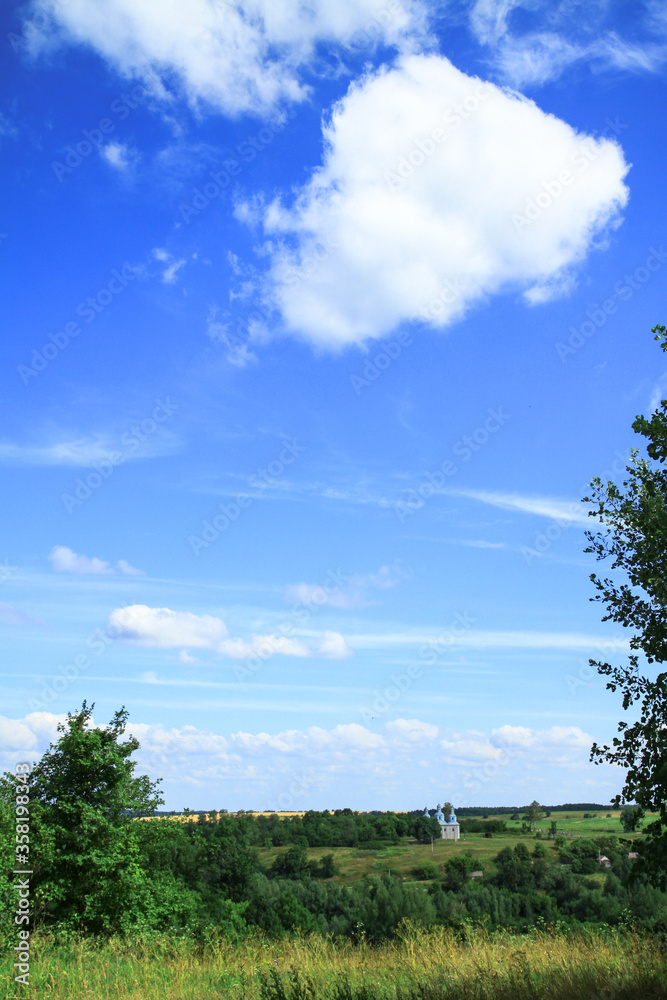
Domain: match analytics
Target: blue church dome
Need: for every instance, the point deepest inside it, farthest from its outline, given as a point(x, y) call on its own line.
point(452, 817)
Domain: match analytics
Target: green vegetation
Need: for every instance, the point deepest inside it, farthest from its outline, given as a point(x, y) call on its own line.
point(263, 906)
point(634, 536)
point(416, 965)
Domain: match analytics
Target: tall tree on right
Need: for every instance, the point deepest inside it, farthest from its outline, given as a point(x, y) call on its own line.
point(634, 519)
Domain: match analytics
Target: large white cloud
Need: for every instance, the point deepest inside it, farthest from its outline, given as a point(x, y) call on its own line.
point(166, 629)
point(436, 190)
point(236, 56)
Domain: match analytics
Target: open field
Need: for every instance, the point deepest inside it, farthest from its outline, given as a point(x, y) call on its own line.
point(423, 965)
point(353, 863)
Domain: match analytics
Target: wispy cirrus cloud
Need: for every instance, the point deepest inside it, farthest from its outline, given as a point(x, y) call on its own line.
point(551, 36)
point(491, 639)
point(90, 451)
point(569, 511)
point(354, 592)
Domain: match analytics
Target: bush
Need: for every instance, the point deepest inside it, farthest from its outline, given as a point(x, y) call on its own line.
point(424, 872)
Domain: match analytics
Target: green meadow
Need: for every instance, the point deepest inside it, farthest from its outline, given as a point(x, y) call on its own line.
point(354, 863)
point(418, 964)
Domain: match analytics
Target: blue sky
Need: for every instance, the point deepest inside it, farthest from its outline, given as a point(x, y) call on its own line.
point(318, 320)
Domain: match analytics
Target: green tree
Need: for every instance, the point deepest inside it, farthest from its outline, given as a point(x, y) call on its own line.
point(534, 814)
point(634, 519)
point(631, 818)
point(424, 828)
point(89, 858)
point(458, 870)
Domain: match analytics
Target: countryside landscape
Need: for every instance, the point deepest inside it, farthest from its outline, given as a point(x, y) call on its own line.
point(333, 473)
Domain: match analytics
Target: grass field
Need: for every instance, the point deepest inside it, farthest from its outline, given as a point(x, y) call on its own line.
point(420, 965)
point(353, 863)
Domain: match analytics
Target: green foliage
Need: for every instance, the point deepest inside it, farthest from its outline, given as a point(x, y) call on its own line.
point(425, 871)
point(634, 518)
point(458, 869)
point(425, 828)
point(472, 825)
point(631, 818)
point(99, 869)
point(534, 814)
point(89, 857)
point(513, 868)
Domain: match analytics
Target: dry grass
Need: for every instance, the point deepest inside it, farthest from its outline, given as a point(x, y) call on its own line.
point(424, 965)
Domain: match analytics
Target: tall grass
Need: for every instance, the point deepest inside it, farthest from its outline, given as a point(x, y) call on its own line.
point(419, 965)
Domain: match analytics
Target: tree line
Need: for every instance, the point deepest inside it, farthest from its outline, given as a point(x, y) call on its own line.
point(98, 869)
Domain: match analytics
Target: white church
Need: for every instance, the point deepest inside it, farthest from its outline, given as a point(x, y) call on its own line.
point(449, 828)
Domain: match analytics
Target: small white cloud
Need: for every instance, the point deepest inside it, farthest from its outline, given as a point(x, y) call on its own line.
point(347, 592)
point(125, 567)
point(334, 647)
point(64, 560)
point(184, 657)
point(117, 155)
point(173, 266)
point(166, 629)
point(234, 337)
point(170, 272)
